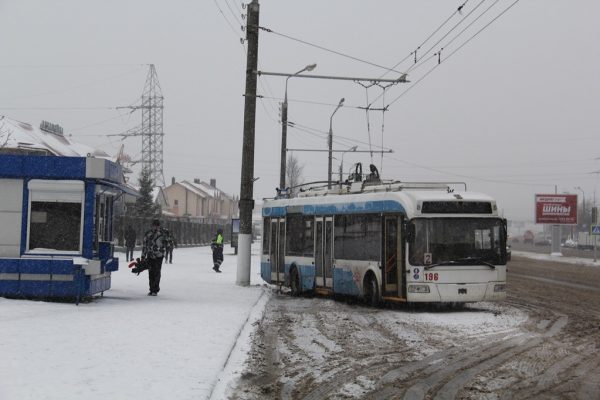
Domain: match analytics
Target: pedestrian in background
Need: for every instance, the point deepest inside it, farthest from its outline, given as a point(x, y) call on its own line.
point(153, 251)
point(171, 244)
point(217, 250)
point(130, 237)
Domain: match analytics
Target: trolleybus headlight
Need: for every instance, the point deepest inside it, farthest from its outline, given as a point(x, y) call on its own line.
point(418, 289)
point(500, 287)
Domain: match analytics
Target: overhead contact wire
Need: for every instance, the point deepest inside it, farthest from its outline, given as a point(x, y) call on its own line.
point(455, 51)
point(328, 50)
point(429, 37)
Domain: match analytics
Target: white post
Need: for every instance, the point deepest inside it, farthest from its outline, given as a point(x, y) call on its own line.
point(243, 263)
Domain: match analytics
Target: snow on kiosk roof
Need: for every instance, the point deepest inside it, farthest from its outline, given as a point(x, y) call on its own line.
point(48, 138)
point(61, 211)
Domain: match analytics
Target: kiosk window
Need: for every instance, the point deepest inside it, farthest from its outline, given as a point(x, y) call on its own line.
point(55, 216)
point(103, 217)
point(55, 226)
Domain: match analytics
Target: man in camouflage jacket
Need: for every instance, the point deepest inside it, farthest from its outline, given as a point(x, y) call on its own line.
point(153, 251)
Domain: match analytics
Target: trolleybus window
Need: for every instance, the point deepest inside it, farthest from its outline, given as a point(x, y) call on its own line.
point(265, 236)
point(300, 235)
point(457, 240)
point(357, 237)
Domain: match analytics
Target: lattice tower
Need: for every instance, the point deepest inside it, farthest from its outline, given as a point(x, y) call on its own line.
point(152, 128)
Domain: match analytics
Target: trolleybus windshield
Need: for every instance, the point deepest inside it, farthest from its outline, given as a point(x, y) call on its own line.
point(457, 241)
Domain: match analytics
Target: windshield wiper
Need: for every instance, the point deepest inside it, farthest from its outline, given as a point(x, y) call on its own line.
point(478, 260)
point(473, 260)
point(447, 262)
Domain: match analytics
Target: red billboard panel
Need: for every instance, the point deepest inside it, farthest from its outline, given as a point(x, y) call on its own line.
point(556, 209)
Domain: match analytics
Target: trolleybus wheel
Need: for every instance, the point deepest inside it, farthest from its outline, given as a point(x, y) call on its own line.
point(371, 291)
point(295, 282)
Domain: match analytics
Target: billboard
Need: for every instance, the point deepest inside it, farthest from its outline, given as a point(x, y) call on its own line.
point(556, 209)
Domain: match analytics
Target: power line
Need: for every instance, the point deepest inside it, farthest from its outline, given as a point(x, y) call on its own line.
point(458, 10)
point(338, 139)
point(267, 89)
point(471, 24)
point(450, 31)
point(64, 90)
point(67, 65)
point(438, 54)
point(96, 124)
point(481, 30)
point(318, 103)
point(233, 14)
point(227, 20)
point(467, 176)
point(236, 6)
point(524, 164)
point(452, 53)
point(328, 50)
point(262, 103)
point(58, 108)
point(422, 61)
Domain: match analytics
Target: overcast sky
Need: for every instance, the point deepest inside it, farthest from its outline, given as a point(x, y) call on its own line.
point(513, 112)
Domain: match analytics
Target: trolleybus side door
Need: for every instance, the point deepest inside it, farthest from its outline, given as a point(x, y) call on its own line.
point(323, 252)
point(392, 256)
point(276, 252)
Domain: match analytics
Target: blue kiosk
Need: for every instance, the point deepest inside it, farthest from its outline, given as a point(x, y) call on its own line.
point(56, 227)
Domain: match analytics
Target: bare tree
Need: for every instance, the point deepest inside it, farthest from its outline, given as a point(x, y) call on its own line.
point(4, 133)
point(293, 173)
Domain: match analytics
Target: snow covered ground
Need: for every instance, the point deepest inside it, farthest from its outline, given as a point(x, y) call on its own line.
point(547, 257)
point(190, 342)
point(128, 345)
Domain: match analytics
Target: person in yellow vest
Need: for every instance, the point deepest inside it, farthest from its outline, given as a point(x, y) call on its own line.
point(217, 250)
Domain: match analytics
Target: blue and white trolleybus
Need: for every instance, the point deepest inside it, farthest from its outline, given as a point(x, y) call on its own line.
point(387, 241)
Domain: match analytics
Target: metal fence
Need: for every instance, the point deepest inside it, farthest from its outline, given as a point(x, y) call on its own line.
point(186, 231)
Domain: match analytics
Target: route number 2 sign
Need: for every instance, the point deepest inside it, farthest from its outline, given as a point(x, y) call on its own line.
point(427, 258)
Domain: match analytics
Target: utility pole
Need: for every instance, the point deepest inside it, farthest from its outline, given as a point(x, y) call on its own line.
point(247, 175)
point(330, 142)
point(284, 123)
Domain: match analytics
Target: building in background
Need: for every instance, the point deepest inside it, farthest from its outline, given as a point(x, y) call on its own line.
point(198, 199)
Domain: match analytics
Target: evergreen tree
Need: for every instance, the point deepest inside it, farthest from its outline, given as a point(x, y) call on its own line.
point(144, 205)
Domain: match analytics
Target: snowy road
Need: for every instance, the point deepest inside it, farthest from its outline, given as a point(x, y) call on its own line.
point(191, 342)
point(541, 343)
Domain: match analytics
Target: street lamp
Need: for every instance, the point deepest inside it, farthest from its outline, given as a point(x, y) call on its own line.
point(353, 148)
point(330, 142)
point(583, 194)
point(284, 107)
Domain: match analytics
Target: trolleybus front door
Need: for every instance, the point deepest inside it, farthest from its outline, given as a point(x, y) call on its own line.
point(323, 252)
point(392, 257)
point(276, 253)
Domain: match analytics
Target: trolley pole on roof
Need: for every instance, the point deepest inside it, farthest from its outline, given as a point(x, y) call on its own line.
point(247, 175)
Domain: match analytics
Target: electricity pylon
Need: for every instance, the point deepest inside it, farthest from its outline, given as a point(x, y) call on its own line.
point(151, 129)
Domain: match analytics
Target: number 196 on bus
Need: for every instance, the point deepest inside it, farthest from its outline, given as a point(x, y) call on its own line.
point(431, 276)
